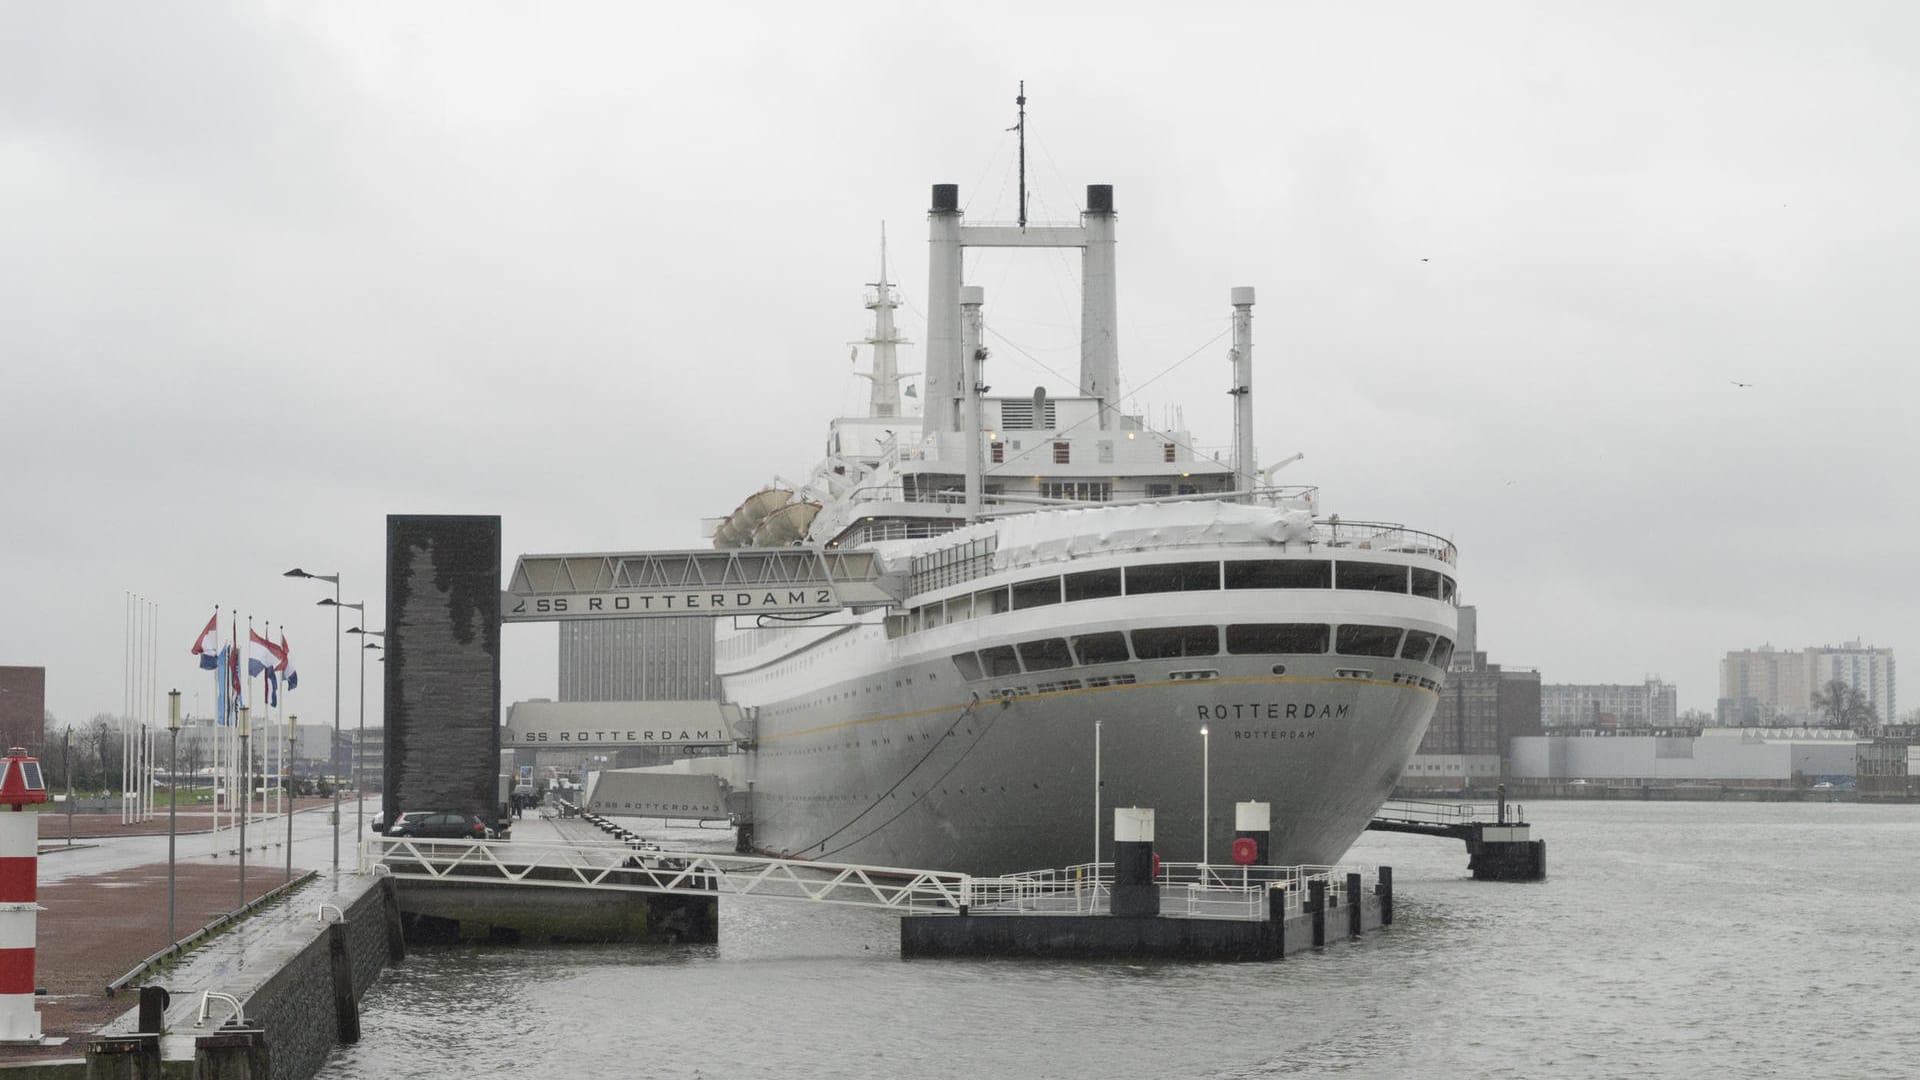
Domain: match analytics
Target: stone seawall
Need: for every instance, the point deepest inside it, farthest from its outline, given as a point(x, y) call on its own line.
point(305, 1008)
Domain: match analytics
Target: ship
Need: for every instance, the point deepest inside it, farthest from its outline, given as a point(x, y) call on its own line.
point(1092, 614)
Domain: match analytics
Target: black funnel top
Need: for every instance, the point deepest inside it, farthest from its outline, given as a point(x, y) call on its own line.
point(1099, 198)
point(946, 197)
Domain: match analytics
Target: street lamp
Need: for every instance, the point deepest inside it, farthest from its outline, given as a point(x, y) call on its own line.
point(333, 758)
point(66, 766)
point(1206, 777)
point(293, 728)
point(246, 784)
point(360, 739)
point(173, 800)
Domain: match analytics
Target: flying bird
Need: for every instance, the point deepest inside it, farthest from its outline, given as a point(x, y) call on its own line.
point(1737, 382)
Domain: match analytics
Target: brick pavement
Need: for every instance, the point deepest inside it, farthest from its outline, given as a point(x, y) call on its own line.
point(97, 927)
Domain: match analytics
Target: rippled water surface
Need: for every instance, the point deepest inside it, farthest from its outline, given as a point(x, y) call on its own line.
point(1671, 940)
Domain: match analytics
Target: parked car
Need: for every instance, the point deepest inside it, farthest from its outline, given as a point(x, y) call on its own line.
point(441, 825)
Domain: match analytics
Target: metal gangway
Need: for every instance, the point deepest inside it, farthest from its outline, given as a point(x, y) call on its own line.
point(1457, 821)
point(1191, 890)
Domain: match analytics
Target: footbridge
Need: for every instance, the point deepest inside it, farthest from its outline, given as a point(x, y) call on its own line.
point(1500, 846)
point(715, 582)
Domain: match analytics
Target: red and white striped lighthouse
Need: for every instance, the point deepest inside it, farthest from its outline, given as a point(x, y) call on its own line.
point(20, 783)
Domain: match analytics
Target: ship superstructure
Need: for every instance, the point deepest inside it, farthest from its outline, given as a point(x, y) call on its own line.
point(1082, 592)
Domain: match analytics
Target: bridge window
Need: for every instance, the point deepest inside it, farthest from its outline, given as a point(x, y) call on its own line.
point(1107, 648)
point(1093, 584)
point(990, 602)
point(1045, 655)
point(1280, 574)
point(1447, 589)
point(1169, 642)
point(968, 664)
point(999, 660)
point(1078, 490)
point(1257, 638)
point(1159, 491)
point(1370, 577)
point(1173, 577)
point(1419, 644)
point(1442, 654)
point(1426, 583)
point(1037, 593)
point(1367, 640)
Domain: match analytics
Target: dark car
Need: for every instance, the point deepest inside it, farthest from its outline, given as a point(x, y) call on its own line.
point(441, 825)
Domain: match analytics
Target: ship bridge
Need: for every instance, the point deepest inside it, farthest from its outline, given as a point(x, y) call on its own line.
point(699, 582)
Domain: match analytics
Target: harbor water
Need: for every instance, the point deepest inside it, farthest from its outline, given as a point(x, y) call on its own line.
point(1670, 940)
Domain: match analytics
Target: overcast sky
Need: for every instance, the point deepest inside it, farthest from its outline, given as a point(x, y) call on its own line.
point(269, 273)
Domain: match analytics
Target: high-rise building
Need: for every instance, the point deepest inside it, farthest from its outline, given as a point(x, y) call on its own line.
point(668, 659)
point(1768, 686)
point(1581, 706)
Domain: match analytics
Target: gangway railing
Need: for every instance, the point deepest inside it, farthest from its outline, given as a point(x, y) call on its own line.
point(1192, 890)
point(1420, 812)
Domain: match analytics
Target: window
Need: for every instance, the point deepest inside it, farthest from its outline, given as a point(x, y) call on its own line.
point(1280, 574)
point(1173, 577)
point(1166, 451)
point(1093, 584)
point(959, 609)
point(1045, 655)
point(1109, 648)
point(1038, 593)
point(1427, 583)
point(1419, 643)
point(997, 450)
point(1062, 453)
point(968, 664)
point(1189, 489)
point(1367, 640)
point(1442, 653)
point(1447, 592)
point(1246, 638)
point(1370, 577)
point(990, 602)
point(999, 660)
point(1169, 642)
point(1159, 491)
point(1078, 490)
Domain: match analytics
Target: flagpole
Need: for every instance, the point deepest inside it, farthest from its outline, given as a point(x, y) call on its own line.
point(126, 693)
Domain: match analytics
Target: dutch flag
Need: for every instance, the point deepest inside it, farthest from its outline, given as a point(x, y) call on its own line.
point(207, 645)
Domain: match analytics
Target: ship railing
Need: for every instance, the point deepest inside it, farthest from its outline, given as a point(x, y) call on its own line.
point(1190, 890)
point(1424, 812)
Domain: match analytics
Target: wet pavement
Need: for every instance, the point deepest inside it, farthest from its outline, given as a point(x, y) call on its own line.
point(105, 910)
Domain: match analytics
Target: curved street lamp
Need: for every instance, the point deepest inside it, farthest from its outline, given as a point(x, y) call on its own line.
point(360, 739)
point(334, 758)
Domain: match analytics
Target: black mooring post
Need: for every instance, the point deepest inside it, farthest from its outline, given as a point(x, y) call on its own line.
point(1503, 804)
point(1277, 919)
point(1386, 895)
point(1317, 901)
point(1353, 905)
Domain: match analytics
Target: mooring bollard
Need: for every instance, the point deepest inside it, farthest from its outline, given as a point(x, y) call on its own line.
point(1353, 905)
point(1385, 889)
point(126, 1057)
point(153, 1009)
point(234, 1053)
point(1135, 892)
point(396, 930)
point(1317, 903)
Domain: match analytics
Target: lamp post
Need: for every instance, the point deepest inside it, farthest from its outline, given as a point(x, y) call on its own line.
point(1206, 778)
point(173, 800)
point(293, 728)
point(66, 766)
point(246, 792)
point(334, 757)
point(360, 737)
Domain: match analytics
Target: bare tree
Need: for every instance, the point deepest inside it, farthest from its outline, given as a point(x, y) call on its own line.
point(1847, 707)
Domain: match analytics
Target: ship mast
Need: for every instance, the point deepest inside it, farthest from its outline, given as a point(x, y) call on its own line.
point(1021, 127)
point(886, 375)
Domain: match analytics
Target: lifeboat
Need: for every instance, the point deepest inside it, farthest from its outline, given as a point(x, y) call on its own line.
point(737, 530)
point(786, 525)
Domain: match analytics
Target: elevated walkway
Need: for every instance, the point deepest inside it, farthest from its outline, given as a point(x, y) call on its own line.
point(1500, 845)
point(703, 581)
